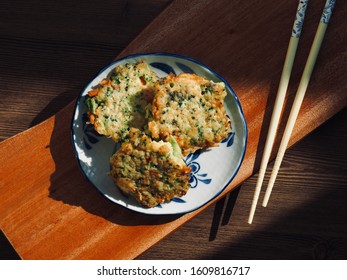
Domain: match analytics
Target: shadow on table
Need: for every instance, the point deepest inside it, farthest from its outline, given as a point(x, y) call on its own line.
point(313, 231)
point(7, 251)
point(70, 186)
point(309, 225)
point(316, 230)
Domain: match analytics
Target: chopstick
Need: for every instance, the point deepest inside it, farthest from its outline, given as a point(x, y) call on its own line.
point(281, 93)
point(305, 78)
point(327, 11)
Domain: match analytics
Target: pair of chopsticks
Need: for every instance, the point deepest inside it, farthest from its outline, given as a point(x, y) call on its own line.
point(282, 89)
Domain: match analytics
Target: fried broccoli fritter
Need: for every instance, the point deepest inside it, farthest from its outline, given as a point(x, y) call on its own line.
point(152, 171)
point(191, 109)
point(121, 100)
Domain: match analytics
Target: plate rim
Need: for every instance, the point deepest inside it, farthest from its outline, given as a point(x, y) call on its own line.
point(168, 54)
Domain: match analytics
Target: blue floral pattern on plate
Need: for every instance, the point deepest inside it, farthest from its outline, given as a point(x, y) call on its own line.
point(163, 67)
point(196, 176)
point(90, 135)
point(212, 170)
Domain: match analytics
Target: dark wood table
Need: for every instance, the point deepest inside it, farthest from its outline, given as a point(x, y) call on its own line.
point(50, 50)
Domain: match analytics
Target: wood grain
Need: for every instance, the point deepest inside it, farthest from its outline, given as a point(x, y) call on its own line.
point(305, 218)
point(49, 51)
point(47, 208)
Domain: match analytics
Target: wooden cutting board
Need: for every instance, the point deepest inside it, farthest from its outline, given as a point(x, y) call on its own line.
point(49, 211)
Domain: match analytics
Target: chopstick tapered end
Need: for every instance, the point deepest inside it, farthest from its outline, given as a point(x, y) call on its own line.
point(251, 214)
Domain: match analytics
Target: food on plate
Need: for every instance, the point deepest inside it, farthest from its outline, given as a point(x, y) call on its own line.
point(153, 172)
point(191, 109)
point(120, 101)
point(157, 121)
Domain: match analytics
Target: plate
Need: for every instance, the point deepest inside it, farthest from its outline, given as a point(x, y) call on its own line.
point(212, 170)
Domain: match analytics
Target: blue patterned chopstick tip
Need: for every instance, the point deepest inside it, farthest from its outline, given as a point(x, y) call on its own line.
point(328, 9)
point(299, 18)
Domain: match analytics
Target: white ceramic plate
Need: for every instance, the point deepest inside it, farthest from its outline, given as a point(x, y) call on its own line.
point(213, 169)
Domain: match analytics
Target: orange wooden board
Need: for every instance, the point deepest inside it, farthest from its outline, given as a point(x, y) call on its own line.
point(49, 211)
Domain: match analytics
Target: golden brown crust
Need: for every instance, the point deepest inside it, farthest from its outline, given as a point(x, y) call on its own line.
point(121, 101)
point(149, 170)
point(184, 113)
point(191, 109)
